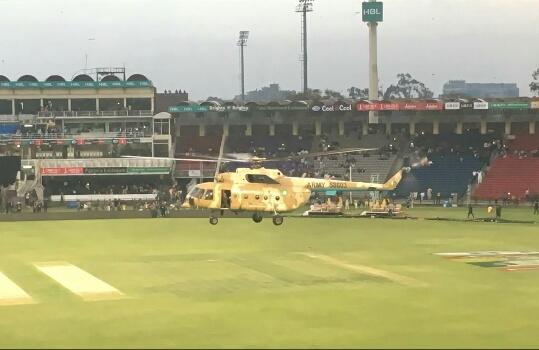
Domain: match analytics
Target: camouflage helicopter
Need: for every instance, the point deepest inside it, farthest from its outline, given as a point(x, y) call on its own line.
point(260, 190)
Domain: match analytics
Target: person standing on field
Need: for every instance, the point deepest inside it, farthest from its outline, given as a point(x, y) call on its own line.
point(470, 211)
point(536, 207)
point(498, 211)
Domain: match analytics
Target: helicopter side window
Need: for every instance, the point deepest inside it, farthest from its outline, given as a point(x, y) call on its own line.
point(208, 195)
point(260, 179)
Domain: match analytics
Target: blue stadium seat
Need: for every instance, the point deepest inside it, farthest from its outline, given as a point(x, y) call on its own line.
point(447, 174)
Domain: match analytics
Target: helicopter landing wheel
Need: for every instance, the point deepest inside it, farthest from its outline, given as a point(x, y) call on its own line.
point(214, 220)
point(257, 218)
point(278, 220)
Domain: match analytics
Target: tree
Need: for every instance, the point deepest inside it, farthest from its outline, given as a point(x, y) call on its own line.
point(328, 93)
point(312, 94)
point(362, 94)
point(534, 85)
point(216, 99)
point(355, 92)
point(407, 87)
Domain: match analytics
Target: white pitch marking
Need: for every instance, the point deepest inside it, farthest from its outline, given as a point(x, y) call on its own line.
point(79, 281)
point(366, 270)
point(11, 293)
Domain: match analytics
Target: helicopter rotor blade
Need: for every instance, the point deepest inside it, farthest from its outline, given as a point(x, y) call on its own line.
point(321, 154)
point(199, 160)
point(219, 160)
point(250, 158)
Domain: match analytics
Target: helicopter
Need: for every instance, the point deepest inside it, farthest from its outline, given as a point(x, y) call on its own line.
point(261, 190)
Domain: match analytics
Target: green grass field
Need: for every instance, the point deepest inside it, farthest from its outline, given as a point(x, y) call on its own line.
point(308, 283)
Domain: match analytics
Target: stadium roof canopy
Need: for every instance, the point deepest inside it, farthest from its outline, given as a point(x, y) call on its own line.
point(83, 77)
point(137, 77)
point(55, 78)
point(28, 77)
point(110, 78)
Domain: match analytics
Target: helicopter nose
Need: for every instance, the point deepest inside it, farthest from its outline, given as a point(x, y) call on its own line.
point(189, 203)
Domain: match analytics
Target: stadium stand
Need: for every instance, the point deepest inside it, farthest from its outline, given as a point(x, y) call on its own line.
point(103, 185)
point(510, 177)
point(198, 144)
point(525, 142)
point(269, 145)
point(447, 174)
point(368, 168)
point(513, 175)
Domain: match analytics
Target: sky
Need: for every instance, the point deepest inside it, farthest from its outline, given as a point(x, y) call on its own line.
point(191, 44)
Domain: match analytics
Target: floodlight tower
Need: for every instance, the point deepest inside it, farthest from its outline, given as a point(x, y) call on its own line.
point(303, 7)
point(372, 13)
point(242, 42)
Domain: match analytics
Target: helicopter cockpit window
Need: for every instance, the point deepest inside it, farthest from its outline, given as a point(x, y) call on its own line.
point(208, 195)
point(196, 193)
point(260, 179)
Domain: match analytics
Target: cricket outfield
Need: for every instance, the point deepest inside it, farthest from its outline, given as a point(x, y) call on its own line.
point(321, 282)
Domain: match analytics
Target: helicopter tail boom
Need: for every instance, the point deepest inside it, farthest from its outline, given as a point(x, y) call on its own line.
point(324, 185)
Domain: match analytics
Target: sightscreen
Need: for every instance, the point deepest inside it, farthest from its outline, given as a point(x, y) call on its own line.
point(9, 165)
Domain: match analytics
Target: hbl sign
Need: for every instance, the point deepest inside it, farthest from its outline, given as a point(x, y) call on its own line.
point(372, 11)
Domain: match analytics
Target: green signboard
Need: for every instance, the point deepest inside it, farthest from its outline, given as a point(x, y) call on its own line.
point(73, 84)
point(148, 170)
point(509, 105)
point(126, 170)
point(187, 109)
point(282, 108)
point(372, 12)
point(203, 109)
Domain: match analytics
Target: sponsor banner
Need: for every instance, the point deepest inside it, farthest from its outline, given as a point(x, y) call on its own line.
point(64, 142)
point(452, 105)
point(107, 141)
point(103, 197)
point(434, 106)
point(466, 105)
point(509, 105)
point(195, 173)
point(282, 108)
point(501, 260)
point(105, 170)
point(333, 108)
point(228, 108)
point(62, 171)
point(203, 109)
point(188, 109)
point(148, 170)
point(480, 105)
point(377, 106)
point(372, 11)
point(420, 106)
point(73, 84)
point(534, 104)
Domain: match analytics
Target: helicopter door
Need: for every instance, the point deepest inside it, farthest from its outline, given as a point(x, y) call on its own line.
point(225, 199)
